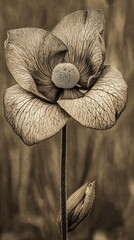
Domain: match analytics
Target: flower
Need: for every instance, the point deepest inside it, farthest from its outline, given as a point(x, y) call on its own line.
point(61, 74)
point(79, 206)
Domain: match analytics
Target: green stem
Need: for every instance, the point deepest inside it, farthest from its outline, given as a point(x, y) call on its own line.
point(64, 230)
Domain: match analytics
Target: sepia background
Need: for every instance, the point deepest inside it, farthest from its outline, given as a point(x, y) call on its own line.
point(29, 176)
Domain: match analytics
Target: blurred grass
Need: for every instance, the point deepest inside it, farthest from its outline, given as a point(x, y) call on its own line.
point(29, 186)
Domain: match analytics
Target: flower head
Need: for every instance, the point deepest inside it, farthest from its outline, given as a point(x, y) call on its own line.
point(61, 74)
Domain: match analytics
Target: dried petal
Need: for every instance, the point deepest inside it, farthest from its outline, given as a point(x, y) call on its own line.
point(31, 118)
point(79, 206)
point(102, 104)
point(81, 32)
point(31, 55)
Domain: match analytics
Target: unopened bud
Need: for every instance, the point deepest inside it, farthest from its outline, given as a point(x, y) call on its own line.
point(79, 206)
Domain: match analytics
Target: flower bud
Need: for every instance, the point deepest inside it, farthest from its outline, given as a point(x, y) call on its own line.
point(79, 206)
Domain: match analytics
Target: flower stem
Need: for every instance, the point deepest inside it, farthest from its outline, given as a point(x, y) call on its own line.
point(64, 230)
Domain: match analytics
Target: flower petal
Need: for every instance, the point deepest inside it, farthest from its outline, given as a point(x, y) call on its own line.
point(81, 32)
point(31, 118)
point(71, 94)
point(103, 104)
point(31, 55)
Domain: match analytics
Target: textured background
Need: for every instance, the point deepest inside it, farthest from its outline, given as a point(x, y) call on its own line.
point(29, 176)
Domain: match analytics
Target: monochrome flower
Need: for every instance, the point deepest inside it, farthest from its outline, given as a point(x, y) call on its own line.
point(61, 74)
point(79, 206)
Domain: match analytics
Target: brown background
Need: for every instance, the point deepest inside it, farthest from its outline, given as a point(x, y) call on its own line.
point(29, 176)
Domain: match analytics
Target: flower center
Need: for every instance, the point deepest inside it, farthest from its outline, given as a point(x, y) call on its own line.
point(65, 75)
